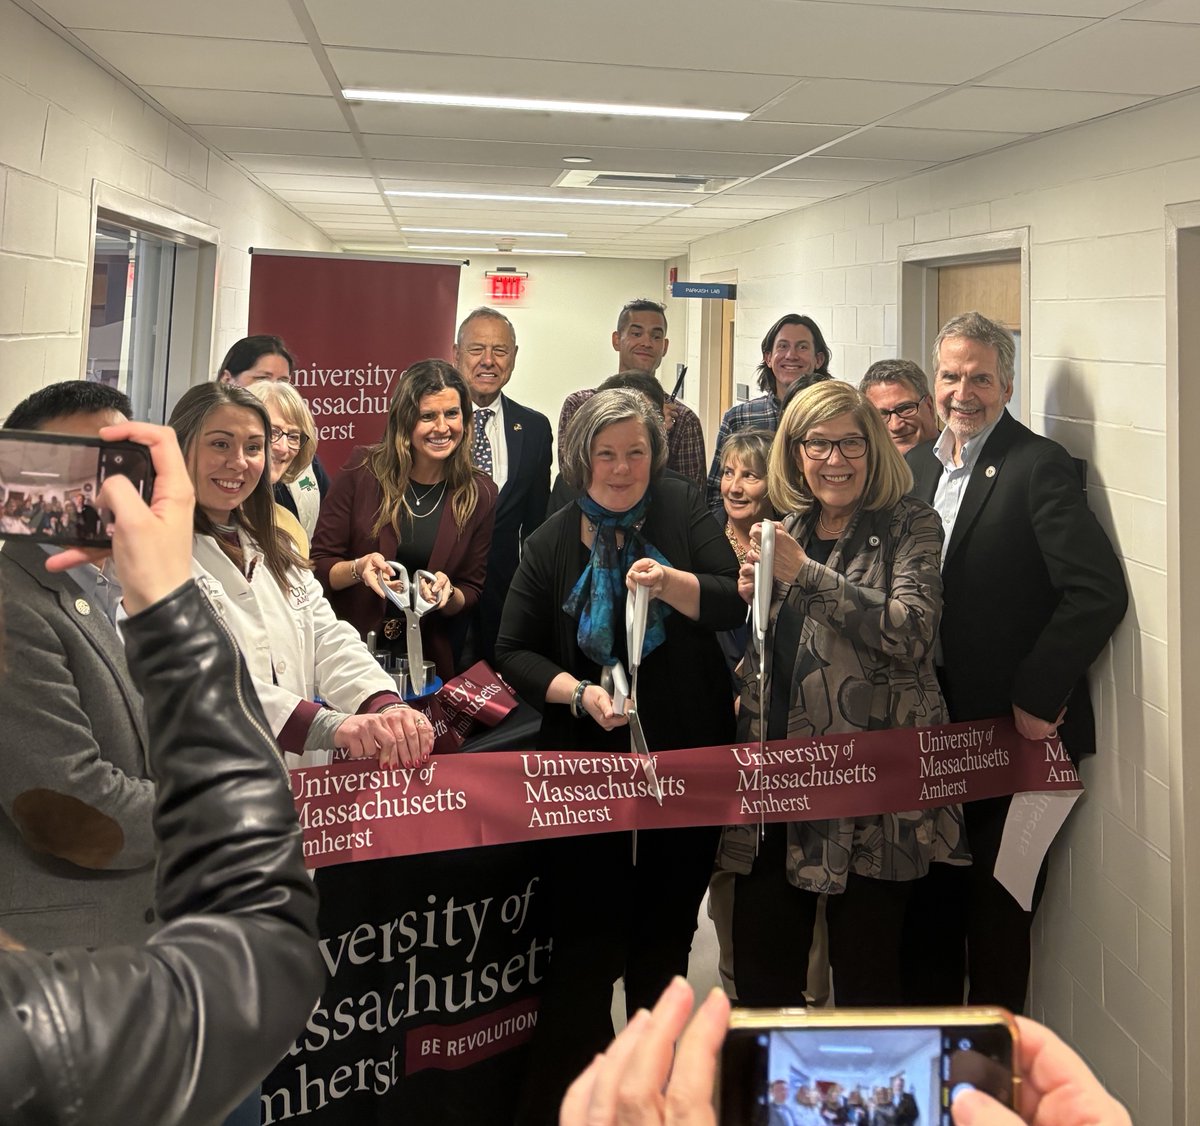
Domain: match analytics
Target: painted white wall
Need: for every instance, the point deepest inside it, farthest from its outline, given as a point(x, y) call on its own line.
point(566, 320)
point(67, 122)
point(1093, 199)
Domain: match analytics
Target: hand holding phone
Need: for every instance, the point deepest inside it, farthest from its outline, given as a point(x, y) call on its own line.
point(50, 484)
point(151, 542)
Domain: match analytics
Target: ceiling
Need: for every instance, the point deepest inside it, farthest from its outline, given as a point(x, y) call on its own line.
point(841, 94)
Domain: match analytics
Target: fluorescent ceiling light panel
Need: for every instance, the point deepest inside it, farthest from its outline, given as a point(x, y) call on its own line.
point(541, 105)
point(495, 250)
point(481, 231)
point(534, 199)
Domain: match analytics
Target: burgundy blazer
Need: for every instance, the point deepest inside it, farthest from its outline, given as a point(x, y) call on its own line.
point(344, 532)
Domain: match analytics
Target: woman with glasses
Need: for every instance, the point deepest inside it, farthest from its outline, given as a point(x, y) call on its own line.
point(264, 360)
point(293, 439)
point(854, 616)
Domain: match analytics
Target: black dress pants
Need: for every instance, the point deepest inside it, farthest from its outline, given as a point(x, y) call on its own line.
point(962, 925)
point(773, 927)
point(610, 919)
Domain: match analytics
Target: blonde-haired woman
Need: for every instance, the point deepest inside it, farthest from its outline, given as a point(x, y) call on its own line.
point(293, 439)
point(854, 617)
point(412, 498)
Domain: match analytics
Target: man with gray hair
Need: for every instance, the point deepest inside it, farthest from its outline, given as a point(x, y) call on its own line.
point(900, 391)
point(1033, 591)
point(512, 445)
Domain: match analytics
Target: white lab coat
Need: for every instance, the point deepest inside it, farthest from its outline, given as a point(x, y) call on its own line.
point(294, 645)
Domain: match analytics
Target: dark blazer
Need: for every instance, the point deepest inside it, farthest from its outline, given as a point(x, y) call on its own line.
point(686, 698)
point(520, 509)
point(1033, 589)
point(76, 836)
point(344, 532)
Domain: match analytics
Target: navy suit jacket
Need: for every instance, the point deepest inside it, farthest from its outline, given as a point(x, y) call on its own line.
point(1033, 589)
point(520, 508)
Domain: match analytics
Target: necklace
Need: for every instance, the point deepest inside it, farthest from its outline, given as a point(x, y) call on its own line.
point(419, 500)
point(834, 532)
point(738, 549)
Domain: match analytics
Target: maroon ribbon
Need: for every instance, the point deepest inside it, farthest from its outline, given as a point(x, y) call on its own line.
point(355, 811)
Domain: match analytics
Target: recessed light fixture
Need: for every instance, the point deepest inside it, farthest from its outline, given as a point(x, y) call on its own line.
point(541, 105)
point(481, 231)
point(497, 250)
point(577, 160)
point(535, 199)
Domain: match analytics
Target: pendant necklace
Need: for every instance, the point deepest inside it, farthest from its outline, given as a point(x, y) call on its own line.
point(419, 499)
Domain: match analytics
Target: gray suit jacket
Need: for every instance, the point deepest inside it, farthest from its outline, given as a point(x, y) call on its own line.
point(76, 841)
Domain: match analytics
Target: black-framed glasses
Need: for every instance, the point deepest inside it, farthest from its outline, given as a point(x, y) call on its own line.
point(295, 439)
point(820, 449)
point(901, 410)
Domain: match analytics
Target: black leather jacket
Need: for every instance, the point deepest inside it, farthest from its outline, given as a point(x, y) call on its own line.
point(178, 1030)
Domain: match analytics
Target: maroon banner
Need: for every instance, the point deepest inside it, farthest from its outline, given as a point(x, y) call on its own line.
point(352, 811)
point(353, 325)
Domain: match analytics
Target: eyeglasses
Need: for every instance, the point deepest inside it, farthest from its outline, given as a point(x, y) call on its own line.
point(901, 410)
point(295, 439)
point(820, 449)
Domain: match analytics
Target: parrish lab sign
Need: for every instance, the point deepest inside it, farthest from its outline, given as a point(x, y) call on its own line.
point(721, 291)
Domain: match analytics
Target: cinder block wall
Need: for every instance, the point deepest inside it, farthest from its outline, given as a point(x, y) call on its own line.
point(67, 122)
point(1093, 199)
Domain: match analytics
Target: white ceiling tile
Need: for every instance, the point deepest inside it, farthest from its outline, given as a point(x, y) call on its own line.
point(830, 166)
point(439, 174)
point(845, 102)
point(570, 131)
point(284, 142)
point(302, 196)
point(932, 144)
point(1123, 56)
point(1004, 110)
point(830, 40)
point(519, 154)
point(1170, 11)
point(536, 78)
point(227, 19)
point(824, 189)
point(207, 63)
point(1096, 8)
point(302, 165)
point(281, 182)
point(249, 109)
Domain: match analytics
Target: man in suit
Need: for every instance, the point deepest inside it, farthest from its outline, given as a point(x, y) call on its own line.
point(76, 838)
point(512, 444)
point(1033, 591)
point(640, 339)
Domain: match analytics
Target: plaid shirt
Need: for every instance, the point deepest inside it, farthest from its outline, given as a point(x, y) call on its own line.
point(685, 442)
point(754, 414)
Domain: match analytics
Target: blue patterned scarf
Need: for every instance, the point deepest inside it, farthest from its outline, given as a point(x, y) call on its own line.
point(601, 588)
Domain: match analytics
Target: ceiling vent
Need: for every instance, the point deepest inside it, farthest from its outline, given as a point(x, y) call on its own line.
point(643, 181)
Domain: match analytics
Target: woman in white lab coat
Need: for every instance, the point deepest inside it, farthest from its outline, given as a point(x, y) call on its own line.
point(297, 651)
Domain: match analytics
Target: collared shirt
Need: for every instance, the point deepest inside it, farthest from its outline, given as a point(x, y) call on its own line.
point(495, 435)
point(761, 413)
point(952, 485)
point(685, 442)
point(99, 587)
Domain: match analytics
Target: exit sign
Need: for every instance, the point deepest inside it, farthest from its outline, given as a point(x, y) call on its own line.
point(506, 287)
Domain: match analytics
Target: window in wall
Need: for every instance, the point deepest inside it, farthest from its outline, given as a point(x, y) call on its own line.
point(129, 326)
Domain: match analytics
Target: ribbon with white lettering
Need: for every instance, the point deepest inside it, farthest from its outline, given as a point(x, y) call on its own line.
point(354, 811)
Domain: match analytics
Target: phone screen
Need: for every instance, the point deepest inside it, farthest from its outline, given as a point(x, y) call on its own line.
point(861, 1075)
point(49, 484)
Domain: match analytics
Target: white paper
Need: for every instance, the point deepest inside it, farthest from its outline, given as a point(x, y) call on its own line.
point(1034, 820)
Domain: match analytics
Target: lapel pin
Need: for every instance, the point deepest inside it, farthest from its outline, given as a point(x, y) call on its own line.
point(990, 471)
point(516, 426)
point(82, 606)
point(873, 541)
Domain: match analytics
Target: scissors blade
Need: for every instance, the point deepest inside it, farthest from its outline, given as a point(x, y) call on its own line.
point(416, 652)
point(642, 751)
point(764, 577)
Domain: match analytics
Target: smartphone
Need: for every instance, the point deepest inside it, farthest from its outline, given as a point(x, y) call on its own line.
point(851, 1065)
point(49, 484)
point(679, 383)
